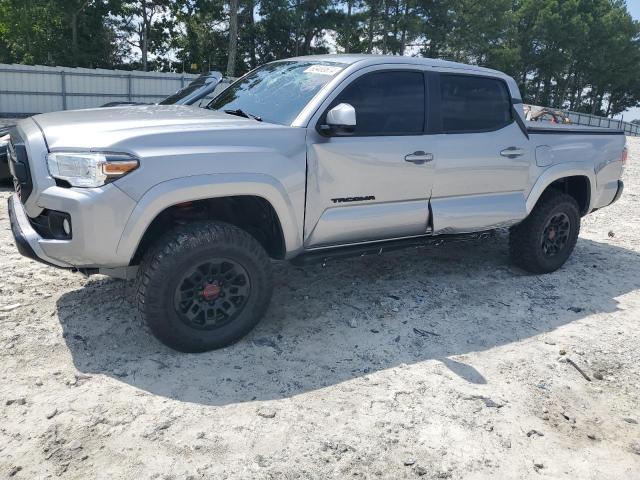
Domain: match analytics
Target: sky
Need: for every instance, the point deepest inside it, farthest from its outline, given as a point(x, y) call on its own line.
point(634, 9)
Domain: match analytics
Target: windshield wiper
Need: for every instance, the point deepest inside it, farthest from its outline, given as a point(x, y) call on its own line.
point(241, 113)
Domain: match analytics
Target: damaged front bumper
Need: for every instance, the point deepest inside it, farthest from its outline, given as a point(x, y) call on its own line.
point(25, 236)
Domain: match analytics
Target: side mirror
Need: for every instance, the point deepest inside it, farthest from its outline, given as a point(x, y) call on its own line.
point(212, 77)
point(341, 120)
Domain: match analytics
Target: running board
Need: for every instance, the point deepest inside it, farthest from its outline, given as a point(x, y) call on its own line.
point(378, 248)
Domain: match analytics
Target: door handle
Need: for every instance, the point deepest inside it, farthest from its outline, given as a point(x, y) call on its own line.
point(512, 152)
point(419, 157)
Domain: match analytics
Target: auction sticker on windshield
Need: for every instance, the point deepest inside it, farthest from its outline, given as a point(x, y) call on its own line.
point(323, 69)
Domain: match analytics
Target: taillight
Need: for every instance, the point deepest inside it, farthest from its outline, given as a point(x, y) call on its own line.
point(625, 156)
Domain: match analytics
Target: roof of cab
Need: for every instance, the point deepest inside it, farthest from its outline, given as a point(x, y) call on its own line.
point(368, 59)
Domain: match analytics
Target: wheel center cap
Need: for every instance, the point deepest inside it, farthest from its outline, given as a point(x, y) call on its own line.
point(552, 234)
point(211, 291)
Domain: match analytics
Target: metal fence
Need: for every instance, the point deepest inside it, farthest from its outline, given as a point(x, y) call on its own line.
point(594, 121)
point(26, 89)
point(586, 119)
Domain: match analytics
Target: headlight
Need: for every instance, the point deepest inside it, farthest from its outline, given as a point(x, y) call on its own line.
point(89, 169)
point(4, 140)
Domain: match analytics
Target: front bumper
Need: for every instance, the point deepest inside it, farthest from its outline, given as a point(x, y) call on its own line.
point(98, 217)
point(26, 238)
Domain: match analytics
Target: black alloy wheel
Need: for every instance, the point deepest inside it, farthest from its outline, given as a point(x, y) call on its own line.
point(556, 233)
point(212, 294)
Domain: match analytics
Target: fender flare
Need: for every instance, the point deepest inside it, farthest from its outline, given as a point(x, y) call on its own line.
point(557, 172)
point(201, 187)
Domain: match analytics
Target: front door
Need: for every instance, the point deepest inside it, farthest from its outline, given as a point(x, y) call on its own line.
point(375, 183)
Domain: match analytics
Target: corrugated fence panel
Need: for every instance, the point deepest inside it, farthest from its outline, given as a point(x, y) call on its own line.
point(92, 101)
point(26, 89)
point(12, 103)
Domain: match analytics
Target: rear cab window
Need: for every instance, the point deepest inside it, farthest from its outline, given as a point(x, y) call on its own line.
point(474, 104)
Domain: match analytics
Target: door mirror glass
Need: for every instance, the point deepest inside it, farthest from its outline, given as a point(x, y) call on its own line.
point(341, 120)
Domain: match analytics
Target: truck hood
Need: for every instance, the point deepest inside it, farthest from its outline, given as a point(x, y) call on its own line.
point(99, 128)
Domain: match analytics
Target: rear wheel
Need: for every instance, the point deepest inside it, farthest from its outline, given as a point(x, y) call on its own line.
point(204, 286)
point(543, 242)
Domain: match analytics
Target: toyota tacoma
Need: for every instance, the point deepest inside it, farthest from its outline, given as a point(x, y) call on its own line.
point(301, 159)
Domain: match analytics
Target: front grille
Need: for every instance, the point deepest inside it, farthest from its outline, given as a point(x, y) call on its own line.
point(19, 165)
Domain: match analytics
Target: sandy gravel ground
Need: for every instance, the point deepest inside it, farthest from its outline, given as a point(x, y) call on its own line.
point(441, 362)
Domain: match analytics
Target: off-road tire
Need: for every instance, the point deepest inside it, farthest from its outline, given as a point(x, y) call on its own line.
point(525, 239)
point(180, 250)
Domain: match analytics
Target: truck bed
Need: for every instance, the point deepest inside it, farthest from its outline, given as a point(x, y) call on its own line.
point(555, 128)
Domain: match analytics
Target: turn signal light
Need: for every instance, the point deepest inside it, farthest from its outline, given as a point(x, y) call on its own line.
point(119, 167)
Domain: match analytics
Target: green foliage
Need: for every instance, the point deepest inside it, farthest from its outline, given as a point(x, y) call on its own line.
point(145, 27)
point(56, 32)
point(577, 54)
point(204, 39)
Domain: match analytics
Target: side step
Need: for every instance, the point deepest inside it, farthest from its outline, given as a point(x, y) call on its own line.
point(378, 248)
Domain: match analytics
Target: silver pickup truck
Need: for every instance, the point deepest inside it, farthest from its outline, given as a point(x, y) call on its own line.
point(300, 159)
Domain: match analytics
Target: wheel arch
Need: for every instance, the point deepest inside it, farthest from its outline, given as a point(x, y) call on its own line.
point(573, 180)
point(220, 191)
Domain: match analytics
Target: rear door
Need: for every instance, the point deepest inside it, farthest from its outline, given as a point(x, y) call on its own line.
point(375, 183)
point(482, 159)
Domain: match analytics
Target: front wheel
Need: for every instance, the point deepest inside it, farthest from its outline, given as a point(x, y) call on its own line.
point(204, 286)
point(543, 242)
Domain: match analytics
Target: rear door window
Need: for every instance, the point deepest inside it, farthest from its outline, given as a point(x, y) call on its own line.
point(474, 104)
